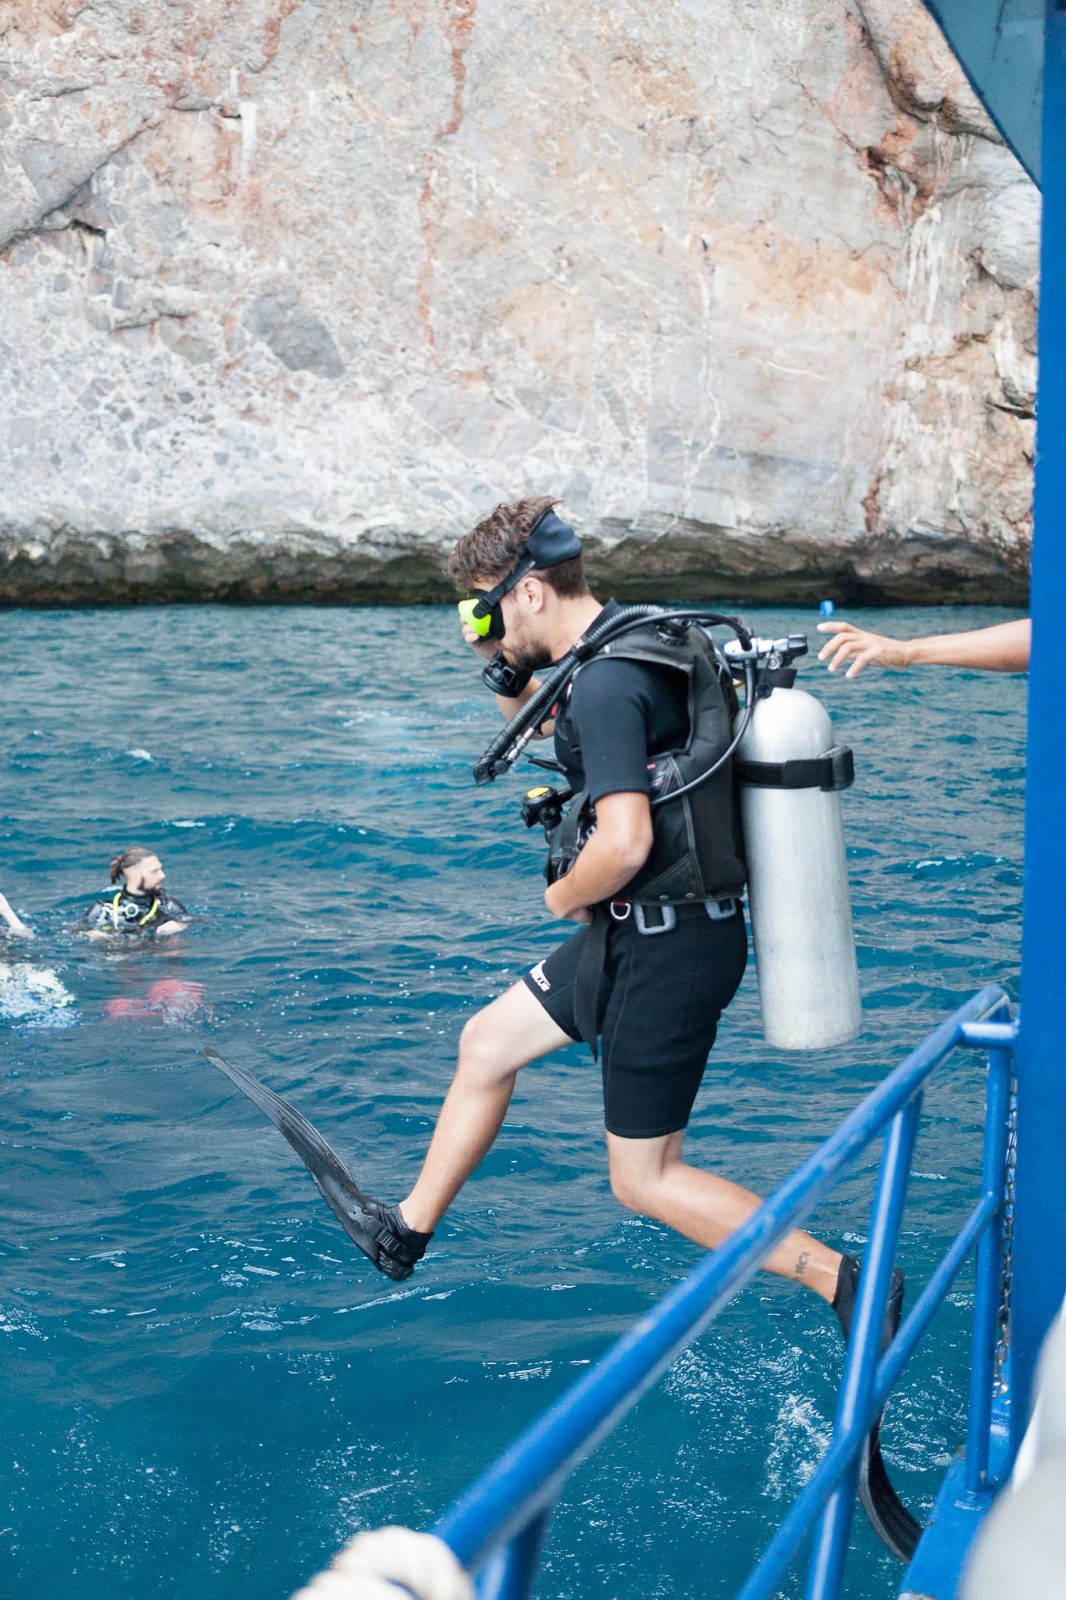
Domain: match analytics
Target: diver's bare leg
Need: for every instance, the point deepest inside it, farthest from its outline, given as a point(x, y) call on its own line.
point(649, 1176)
point(499, 1040)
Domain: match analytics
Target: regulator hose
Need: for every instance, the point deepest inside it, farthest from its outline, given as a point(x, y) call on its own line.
point(509, 743)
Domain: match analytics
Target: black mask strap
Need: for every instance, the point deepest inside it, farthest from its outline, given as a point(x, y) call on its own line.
point(488, 600)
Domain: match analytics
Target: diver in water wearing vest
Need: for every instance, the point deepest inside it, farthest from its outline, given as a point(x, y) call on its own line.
point(662, 946)
point(139, 906)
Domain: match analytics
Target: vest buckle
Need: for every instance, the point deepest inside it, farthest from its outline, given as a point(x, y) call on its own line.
point(640, 917)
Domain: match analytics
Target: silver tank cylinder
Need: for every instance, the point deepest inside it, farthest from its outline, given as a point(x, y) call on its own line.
point(798, 884)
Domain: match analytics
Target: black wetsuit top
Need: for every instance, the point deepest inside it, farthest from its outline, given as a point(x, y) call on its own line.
point(622, 713)
point(122, 912)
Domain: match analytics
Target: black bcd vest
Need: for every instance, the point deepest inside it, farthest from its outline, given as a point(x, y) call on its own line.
point(697, 848)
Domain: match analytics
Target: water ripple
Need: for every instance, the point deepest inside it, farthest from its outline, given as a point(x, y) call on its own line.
point(204, 1380)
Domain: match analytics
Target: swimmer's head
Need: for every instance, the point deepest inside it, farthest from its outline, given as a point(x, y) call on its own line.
point(139, 869)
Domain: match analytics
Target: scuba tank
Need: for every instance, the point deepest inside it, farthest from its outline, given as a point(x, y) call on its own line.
point(790, 774)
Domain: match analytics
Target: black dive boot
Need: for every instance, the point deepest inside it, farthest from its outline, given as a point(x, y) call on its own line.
point(383, 1235)
point(885, 1511)
point(847, 1293)
point(378, 1229)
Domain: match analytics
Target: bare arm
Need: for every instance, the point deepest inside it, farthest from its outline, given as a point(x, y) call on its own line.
point(1002, 648)
point(614, 854)
point(14, 922)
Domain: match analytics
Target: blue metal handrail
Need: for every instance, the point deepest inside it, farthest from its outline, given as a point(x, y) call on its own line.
point(497, 1526)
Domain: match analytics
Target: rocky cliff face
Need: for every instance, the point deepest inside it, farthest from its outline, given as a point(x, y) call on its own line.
point(290, 293)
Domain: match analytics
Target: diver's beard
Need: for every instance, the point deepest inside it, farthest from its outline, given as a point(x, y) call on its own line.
point(529, 657)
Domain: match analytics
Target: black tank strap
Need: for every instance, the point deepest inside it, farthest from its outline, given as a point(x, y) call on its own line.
point(833, 770)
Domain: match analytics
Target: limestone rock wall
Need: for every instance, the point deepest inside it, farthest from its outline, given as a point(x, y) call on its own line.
point(292, 290)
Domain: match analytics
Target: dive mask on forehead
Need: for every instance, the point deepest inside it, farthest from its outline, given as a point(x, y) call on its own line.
point(549, 543)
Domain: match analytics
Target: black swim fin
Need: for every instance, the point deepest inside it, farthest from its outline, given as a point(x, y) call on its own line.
point(885, 1511)
point(377, 1229)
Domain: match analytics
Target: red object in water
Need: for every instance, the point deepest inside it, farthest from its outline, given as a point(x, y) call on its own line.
point(169, 1000)
point(130, 1008)
point(178, 999)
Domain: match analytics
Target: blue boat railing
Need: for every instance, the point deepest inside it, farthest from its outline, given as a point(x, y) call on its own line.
point(497, 1527)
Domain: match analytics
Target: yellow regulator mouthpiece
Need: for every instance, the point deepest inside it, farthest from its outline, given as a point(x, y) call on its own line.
point(477, 624)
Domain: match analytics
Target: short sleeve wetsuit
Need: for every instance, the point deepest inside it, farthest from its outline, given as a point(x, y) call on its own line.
point(661, 994)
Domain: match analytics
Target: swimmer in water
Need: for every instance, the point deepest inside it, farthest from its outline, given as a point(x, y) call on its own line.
point(140, 905)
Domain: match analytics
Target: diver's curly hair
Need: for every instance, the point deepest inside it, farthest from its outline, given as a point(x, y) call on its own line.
point(491, 549)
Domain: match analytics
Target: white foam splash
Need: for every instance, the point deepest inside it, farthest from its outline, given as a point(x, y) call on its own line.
point(35, 995)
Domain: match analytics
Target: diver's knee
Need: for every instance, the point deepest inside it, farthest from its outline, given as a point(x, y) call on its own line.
point(483, 1057)
point(631, 1189)
point(622, 1191)
point(639, 1174)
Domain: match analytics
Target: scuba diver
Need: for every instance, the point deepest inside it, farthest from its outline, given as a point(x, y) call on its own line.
point(140, 906)
point(663, 945)
point(647, 858)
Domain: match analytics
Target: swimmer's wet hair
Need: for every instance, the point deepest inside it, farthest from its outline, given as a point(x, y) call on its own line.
point(491, 549)
point(128, 858)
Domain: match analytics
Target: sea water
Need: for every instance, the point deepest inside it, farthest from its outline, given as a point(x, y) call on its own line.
point(206, 1388)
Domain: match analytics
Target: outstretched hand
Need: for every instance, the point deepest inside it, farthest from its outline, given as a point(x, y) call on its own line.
point(860, 647)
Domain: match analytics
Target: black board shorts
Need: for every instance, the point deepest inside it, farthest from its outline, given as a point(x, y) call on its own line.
point(657, 1014)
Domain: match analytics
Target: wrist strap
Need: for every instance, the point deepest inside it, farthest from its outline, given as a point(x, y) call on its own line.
point(504, 679)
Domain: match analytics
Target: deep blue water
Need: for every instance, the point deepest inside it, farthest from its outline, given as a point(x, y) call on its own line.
point(205, 1387)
